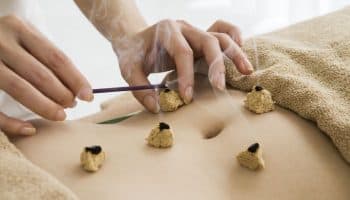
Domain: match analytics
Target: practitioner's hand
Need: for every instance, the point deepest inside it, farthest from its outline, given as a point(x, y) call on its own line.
point(169, 43)
point(37, 74)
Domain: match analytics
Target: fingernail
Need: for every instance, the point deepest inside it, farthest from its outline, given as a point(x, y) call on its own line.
point(248, 66)
point(85, 94)
point(188, 95)
point(220, 81)
point(150, 103)
point(60, 115)
point(27, 130)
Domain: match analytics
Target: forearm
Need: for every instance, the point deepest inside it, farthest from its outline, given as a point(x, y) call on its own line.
point(113, 18)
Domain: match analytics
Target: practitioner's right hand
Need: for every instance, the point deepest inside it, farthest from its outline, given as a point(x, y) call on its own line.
point(36, 74)
point(174, 45)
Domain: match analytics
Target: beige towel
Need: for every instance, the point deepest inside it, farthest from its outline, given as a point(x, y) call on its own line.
point(306, 67)
point(20, 179)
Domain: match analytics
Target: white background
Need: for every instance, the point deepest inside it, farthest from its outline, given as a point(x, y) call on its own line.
point(92, 54)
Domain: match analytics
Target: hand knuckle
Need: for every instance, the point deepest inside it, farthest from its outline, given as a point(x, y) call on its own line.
point(223, 36)
point(219, 21)
point(66, 99)
point(11, 46)
point(14, 21)
point(11, 18)
point(234, 28)
point(15, 85)
point(42, 77)
point(182, 22)
point(165, 22)
point(208, 38)
point(58, 59)
point(126, 73)
point(186, 51)
point(167, 26)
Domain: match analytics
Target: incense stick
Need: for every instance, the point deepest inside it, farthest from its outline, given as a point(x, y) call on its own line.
point(129, 88)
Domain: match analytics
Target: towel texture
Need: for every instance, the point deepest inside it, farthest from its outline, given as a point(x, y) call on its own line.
point(20, 179)
point(306, 67)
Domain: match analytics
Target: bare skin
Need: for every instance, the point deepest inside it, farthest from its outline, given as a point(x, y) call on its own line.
point(36, 74)
point(41, 77)
point(301, 162)
point(166, 45)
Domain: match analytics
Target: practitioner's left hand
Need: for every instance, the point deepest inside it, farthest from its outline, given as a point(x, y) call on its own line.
point(174, 45)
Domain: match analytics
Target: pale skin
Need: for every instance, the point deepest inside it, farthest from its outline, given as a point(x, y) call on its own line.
point(42, 78)
point(202, 163)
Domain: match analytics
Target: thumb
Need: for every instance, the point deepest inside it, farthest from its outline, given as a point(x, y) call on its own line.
point(15, 127)
point(135, 76)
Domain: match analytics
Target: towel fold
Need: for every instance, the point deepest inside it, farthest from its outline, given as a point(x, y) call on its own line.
point(306, 67)
point(20, 179)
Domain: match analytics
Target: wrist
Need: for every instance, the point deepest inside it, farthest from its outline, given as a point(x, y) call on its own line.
point(124, 29)
point(133, 46)
point(130, 38)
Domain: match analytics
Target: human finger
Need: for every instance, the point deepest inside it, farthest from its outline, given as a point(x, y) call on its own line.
point(135, 76)
point(33, 71)
point(54, 59)
point(14, 127)
point(180, 51)
point(233, 31)
point(234, 52)
point(207, 45)
point(29, 96)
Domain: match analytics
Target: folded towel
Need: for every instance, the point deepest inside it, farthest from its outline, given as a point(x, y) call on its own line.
point(20, 179)
point(306, 67)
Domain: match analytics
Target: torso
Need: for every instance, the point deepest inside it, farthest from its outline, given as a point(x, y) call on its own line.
point(301, 162)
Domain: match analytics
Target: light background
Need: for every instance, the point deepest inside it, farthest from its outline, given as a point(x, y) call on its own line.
point(92, 54)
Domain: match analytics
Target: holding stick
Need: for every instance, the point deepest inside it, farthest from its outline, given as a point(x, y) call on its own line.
point(130, 88)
